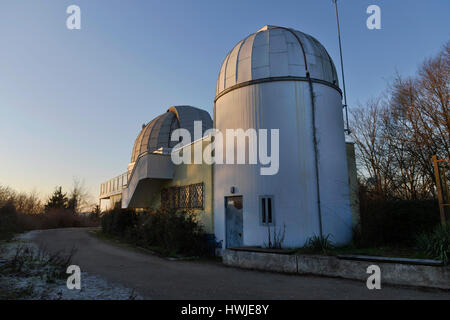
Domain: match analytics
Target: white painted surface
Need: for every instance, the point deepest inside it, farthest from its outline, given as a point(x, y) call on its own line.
point(148, 166)
point(275, 52)
point(285, 105)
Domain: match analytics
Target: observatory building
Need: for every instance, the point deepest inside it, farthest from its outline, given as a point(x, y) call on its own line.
point(279, 78)
point(275, 79)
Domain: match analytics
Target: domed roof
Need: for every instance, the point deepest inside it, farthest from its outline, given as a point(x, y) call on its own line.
point(156, 134)
point(274, 52)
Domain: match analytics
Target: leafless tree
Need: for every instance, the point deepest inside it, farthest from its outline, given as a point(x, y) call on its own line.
point(397, 136)
point(29, 203)
point(80, 200)
point(373, 157)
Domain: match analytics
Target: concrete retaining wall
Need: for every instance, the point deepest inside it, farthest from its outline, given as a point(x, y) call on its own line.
point(261, 261)
point(391, 273)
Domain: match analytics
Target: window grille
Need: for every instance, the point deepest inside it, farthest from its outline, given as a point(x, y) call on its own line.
point(184, 197)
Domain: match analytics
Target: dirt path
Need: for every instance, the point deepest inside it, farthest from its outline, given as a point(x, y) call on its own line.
point(157, 278)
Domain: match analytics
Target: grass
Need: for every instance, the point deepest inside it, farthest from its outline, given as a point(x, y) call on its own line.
point(27, 263)
point(16, 294)
point(384, 251)
point(153, 250)
point(150, 249)
point(325, 246)
point(437, 243)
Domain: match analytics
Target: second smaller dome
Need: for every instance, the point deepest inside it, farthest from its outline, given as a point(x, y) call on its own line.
point(156, 134)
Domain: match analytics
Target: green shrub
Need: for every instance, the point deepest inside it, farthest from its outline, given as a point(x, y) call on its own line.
point(116, 222)
point(54, 218)
point(171, 232)
point(396, 222)
point(318, 244)
point(175, 232)
point(9, 223)
point(437, 243)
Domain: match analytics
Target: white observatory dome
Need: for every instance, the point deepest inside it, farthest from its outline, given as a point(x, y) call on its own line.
point(283, 81)
point(276, 52)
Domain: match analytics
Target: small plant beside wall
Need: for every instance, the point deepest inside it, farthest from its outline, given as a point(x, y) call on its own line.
point(275, 238)
point(437, 243)
point(319, 244)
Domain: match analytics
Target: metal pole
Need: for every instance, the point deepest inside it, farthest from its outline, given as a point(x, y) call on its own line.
point(342, 67)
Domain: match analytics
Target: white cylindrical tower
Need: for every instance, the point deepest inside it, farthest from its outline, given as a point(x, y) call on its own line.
point(280, 78)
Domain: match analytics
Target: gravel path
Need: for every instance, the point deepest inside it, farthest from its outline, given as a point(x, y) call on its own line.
point(156, 278)
point(32, 285)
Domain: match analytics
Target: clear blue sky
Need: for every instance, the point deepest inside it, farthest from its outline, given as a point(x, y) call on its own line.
point(72, 102)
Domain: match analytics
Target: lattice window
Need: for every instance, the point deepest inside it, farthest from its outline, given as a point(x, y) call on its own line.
point(196, 199)
point(176, 197)
point(185, 197)
point(165, 200)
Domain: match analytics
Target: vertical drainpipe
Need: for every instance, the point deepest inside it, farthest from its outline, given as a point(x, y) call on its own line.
point(316, 160)
point(313, 107)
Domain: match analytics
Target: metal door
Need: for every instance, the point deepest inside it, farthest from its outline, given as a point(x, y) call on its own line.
point(234, 222)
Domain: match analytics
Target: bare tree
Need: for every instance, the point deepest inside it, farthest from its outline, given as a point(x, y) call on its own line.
point(397, 136)
point(80, 200)
point(374, 158)
point(29, 203)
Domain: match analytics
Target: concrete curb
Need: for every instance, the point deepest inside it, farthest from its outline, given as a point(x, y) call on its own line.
point(391, 273)
point(260, 261)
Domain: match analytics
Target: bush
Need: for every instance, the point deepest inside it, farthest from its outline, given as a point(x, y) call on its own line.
point(176, 232)
point(9, 223)
point(170, 231)
point(21, 212)
point(12, 222)
point(437, 243)
point(55, 218)
point(117, 222)
point(318, 244)
point(396, 222)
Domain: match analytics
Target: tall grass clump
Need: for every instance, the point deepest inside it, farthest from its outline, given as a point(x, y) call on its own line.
point(319, 244)
point(28, 261)
point(436, 244)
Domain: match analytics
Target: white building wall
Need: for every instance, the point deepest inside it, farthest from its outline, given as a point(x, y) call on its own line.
point(286, 105)
point(333, 171)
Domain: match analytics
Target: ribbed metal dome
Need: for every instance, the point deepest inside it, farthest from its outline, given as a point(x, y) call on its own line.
point(274, 52)
point(156, 134)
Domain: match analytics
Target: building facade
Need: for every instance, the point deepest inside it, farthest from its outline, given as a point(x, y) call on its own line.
point(275, 79)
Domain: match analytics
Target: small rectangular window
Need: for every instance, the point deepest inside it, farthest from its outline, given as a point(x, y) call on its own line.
point(263, 210)
point(267, 212)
